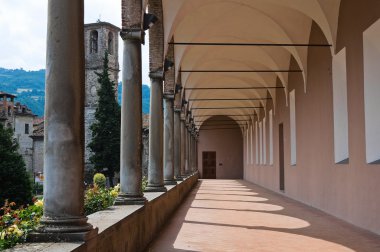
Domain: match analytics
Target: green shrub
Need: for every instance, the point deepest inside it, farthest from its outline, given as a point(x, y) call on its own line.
point(97, 198)
point(14, 180)
point(38, 189)
point(100, 180)
point(144, 183)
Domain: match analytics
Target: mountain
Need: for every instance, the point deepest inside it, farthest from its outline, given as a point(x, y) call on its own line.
point(29, 86)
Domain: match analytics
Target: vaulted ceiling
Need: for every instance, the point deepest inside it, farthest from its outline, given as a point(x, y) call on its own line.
point(244, 22)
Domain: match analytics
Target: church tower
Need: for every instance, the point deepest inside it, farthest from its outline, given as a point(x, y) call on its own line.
point(99, 38)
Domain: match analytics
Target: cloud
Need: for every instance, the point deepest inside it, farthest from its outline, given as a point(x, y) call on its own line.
point(23, 31)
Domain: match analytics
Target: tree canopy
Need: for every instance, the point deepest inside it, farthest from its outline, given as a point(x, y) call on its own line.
point(15, 184)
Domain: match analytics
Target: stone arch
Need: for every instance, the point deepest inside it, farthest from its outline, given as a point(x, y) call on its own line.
point(227, 141)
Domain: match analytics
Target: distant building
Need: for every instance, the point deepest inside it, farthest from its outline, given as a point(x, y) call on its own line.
point(99, 38)
point(19, 118)
point(38, 147)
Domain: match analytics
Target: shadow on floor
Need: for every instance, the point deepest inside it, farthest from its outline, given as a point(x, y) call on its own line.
point(290, 218)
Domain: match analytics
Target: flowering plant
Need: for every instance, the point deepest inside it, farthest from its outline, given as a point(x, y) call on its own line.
point(97, 198)
point(15, 224)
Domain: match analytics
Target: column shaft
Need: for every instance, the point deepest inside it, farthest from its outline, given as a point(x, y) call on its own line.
point(169, 141)
point(177, 145)
point(155, 169)
point(63, 216)
point(131, 123)
point(183, 147)
point(187, 152)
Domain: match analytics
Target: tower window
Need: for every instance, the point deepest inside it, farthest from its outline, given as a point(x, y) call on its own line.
point(27, 128)
point(110, 43)
point(94, 42)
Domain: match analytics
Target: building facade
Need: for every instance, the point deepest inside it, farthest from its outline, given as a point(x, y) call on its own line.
point(20, 119)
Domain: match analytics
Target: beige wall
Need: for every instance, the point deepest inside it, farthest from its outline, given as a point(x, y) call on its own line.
point(228, 145)
point(348, 191)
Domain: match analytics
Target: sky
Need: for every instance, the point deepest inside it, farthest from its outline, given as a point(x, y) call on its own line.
point(23, 31)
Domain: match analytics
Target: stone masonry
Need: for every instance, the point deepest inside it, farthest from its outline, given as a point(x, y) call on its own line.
point(99, 37)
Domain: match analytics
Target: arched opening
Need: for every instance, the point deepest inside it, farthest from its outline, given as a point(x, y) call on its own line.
point(220, 148)
point(110, 43)
point(94, 42)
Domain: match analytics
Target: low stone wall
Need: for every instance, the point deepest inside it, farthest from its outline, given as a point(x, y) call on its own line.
point(126, 228)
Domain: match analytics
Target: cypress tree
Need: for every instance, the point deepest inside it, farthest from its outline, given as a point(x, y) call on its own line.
point(105, 143)
point(15, 184)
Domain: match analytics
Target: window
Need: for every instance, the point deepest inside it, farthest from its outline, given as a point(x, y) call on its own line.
point(261, 141)
point(340, 107)
point(110, 43)
point(246, 139)
point(257, 143)
point(26, 128)
point(94, 42)
point(371, 46)
point(293, 139)
point(251, 143)
point(271, 137)
point(264, 142)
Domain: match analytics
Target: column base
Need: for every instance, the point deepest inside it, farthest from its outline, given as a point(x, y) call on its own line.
point(170, 182)
point(124, 199)
point(179, 178)
point(63, 230)
point(62, 237)
point(154, 188)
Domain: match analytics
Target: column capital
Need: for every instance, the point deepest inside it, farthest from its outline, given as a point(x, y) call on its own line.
point(169, 96)
point(157, 74)
point(177, 110)
point(133, 34)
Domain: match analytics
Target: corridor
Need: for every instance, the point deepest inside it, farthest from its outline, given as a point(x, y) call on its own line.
point(234, 215)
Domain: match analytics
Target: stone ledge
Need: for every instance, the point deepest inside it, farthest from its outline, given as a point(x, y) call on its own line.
point(125, 228)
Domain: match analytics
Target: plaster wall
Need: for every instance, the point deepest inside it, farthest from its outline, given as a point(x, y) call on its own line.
point(24, 140)
point(228, 145)
point(38, 155)
point(348, 191)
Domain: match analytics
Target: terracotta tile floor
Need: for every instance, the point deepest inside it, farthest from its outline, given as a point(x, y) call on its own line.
point(234, 215)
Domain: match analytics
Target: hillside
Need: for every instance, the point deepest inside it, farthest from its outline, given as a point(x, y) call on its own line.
point(29, 86)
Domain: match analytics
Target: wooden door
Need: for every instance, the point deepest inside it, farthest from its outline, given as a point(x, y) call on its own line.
point(209, 165)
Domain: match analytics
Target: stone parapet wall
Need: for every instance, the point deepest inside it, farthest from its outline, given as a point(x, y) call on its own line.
point(126, 228)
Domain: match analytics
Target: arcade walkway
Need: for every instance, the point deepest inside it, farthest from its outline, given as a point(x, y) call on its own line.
point(234, 215)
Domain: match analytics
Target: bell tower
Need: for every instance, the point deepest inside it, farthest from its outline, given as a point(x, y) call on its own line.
point(99, 38)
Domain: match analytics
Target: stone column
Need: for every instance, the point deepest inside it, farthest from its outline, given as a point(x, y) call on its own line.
point(155, 169)
point(187, 151)
point(169, 140)
point(190, 157)
point(192, 151)
point(63, 217)
point(196, 153)
point(177, 144)
point(131, 121)
point(183, 147)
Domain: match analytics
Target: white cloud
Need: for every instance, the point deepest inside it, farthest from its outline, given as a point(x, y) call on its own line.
point(23, 31)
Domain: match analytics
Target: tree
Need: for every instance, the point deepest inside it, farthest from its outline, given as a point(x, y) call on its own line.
point(105, 142)
point(15, 184)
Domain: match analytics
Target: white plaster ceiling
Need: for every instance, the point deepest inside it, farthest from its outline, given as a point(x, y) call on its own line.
point(242, 21)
